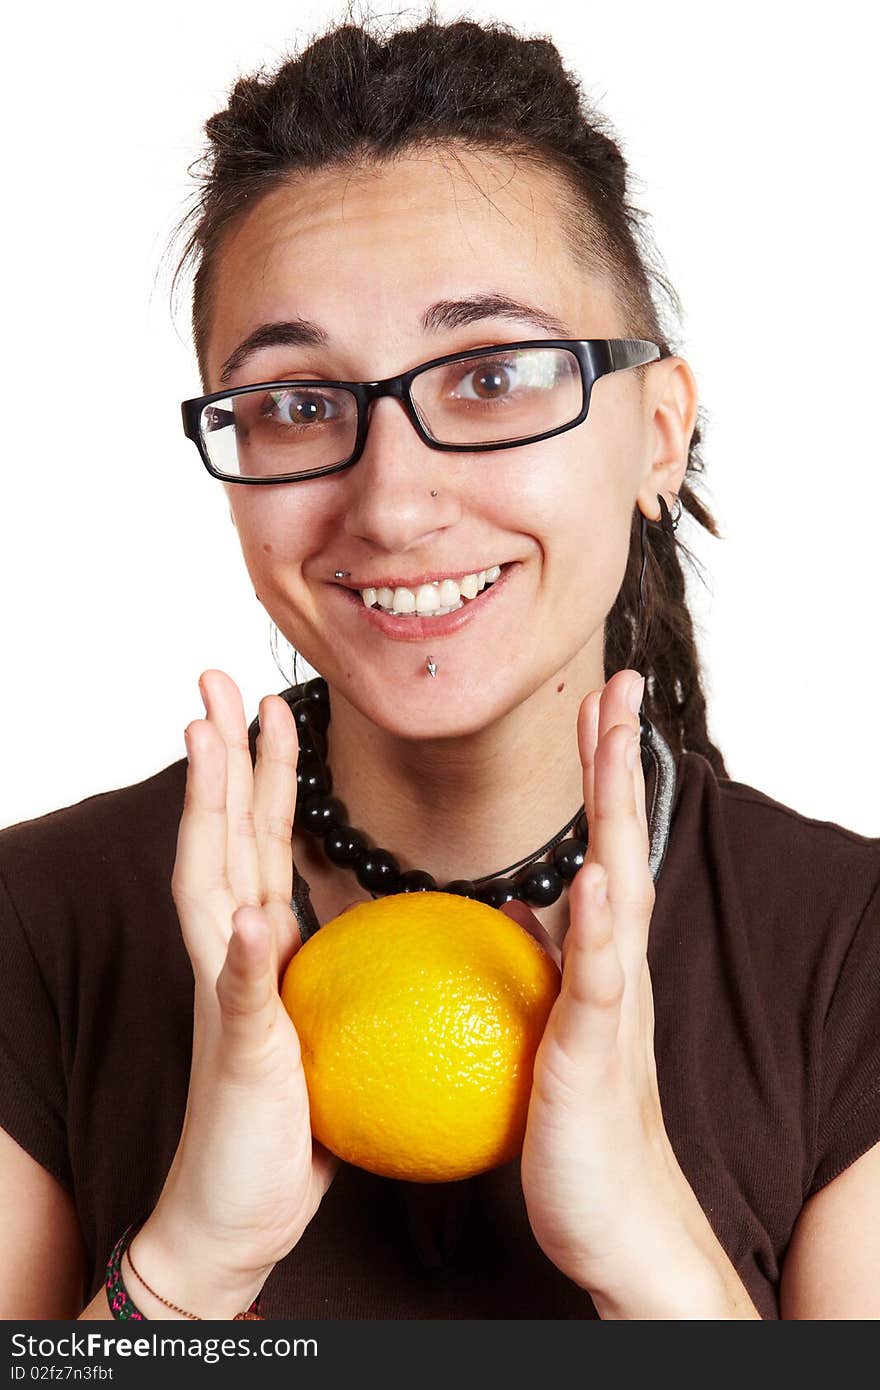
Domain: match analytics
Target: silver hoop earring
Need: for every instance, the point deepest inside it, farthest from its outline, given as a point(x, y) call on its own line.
point(273, 647)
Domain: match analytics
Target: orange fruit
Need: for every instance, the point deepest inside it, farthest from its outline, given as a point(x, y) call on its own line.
point(419, 1016)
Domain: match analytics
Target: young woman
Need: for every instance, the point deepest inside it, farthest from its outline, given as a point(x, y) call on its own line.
point(456, 446)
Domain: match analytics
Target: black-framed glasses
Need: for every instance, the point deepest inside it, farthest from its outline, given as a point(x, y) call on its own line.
point(484, 399)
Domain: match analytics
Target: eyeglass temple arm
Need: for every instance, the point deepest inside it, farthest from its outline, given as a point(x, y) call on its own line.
point(633, 352)
point(218, 418)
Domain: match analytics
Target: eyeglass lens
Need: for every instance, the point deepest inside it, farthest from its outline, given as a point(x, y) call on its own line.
point(503, 396)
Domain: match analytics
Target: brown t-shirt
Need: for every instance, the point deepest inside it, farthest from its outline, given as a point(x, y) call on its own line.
point(764, 952)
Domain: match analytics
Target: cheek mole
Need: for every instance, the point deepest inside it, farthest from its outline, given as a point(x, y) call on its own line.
point(267, 547)
point(560, 688)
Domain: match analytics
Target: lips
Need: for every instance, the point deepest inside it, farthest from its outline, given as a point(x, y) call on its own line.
point(418, 629)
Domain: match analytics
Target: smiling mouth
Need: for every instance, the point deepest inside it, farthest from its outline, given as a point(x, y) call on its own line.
point(446, 596)
point(414, 625)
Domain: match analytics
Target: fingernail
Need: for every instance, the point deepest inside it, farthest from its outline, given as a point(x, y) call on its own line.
point(636, 691)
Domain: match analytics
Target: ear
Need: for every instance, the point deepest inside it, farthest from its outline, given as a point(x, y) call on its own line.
point(671, 399)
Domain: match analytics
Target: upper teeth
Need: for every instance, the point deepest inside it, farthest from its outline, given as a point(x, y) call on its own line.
point(440, 596)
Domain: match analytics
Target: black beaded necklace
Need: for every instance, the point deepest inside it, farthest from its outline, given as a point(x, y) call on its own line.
point(323, 815)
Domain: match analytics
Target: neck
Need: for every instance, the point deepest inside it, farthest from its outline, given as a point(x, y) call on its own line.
point(469, 806)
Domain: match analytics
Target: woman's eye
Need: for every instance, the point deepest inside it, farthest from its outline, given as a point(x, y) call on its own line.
point(299, 408)
point(487, 382)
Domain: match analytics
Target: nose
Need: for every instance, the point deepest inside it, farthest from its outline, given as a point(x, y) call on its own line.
point(389, 502)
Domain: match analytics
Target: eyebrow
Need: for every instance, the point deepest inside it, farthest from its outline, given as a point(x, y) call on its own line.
point(444, 314)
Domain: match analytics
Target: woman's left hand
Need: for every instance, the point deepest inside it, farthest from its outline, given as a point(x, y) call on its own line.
point(603, 1190)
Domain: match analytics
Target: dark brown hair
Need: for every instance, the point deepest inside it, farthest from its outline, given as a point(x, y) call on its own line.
point(365, 92)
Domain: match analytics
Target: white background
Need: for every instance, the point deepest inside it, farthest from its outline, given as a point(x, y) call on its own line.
point(753, 138)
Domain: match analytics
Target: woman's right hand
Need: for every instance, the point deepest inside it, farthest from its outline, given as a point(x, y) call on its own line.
point(247, 1177)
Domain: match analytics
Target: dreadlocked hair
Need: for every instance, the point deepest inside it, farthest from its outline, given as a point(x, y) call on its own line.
point(365, 92)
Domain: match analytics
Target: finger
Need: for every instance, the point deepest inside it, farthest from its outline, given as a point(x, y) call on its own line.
point(274, 810)
point(522, 914)
point(617, 831)
point(639, 775)
point(633, 697)
point(224, 708)
point(618, 839)
point(587, 737)
point(587, 1013)
point(247, 991)
point(615, 705)
point(199, 885)
point(618, 725)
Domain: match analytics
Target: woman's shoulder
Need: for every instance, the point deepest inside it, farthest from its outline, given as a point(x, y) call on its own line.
point(766, 890)
point(138, 818)
point(764, 951)
point(102, 848)
point(767, 842)
point(89, 836)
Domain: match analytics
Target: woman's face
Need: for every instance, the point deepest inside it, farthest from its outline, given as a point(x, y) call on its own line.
point(364, 257)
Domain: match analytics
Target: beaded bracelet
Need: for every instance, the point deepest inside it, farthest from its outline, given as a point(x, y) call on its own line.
point(121, 1303)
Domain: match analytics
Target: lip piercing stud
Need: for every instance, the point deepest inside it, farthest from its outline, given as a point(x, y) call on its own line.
point(342, 574)
point(431, 666)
